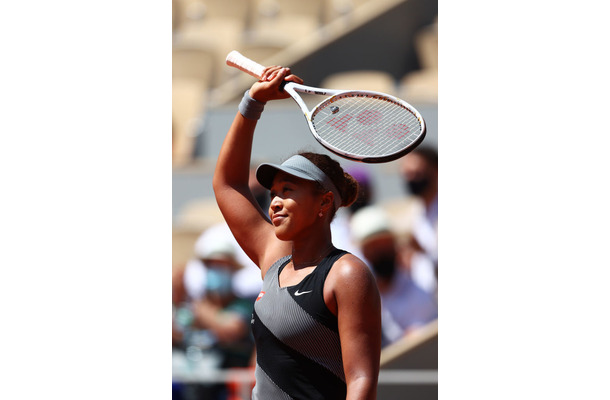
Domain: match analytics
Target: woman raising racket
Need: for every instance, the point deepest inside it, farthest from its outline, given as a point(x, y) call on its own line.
point(316, 322)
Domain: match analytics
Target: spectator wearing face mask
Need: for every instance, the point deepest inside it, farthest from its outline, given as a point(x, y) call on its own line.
point(405, 305)
point(220, 311)
point(419, 170)
point(212, 317)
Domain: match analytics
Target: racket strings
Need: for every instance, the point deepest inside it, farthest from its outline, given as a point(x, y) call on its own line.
point(366, 126)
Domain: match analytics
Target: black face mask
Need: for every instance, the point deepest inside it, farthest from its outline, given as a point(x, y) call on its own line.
point(418, 186)
point(384, 266)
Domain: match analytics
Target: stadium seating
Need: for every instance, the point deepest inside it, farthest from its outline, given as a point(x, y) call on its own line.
point(379, 81)
point(191, 75)
point(422, 85)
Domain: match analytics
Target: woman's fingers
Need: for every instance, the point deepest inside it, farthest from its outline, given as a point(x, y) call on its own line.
point(270, 72)
point(294, 78)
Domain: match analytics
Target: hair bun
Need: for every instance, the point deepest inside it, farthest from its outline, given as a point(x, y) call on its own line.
point(349, 193)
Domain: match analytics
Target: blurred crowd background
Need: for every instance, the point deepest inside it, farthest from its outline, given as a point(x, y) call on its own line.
point(389, 46)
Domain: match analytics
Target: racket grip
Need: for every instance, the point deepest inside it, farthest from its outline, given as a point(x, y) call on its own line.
point(237, 60)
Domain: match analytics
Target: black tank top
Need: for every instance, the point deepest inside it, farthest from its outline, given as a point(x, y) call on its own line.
point(297, 338)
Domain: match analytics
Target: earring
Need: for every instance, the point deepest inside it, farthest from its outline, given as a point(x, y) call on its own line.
point(320, 214)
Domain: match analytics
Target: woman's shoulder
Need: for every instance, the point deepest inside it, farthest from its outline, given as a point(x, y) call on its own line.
point(349, 269)
point(352, 284)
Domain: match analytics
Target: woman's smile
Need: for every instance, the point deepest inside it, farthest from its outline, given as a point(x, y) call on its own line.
point(277, 219)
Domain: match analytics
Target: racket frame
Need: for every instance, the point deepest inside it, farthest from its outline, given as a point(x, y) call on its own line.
point(239, 61)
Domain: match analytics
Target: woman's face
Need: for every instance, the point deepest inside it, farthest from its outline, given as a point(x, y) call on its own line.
point(295, 204)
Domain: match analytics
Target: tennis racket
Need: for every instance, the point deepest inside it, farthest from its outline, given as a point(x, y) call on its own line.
point(359, 125)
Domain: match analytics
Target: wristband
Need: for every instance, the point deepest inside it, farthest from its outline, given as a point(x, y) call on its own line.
point(250, 108)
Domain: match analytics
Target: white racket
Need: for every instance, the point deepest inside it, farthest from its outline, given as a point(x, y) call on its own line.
point(359, 125)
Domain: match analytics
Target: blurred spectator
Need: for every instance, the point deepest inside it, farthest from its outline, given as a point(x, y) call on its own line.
point(246, 282)
point(179, 300)
point(419, 170)
point(221, 310)
point(405, 305)
point(210, 317)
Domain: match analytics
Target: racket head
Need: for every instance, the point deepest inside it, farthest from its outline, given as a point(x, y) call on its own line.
point(367, 126)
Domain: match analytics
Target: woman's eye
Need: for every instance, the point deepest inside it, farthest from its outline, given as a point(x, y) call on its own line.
point(282, 190)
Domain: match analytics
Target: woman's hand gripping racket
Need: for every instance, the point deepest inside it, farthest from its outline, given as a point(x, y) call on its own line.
point(359, 125)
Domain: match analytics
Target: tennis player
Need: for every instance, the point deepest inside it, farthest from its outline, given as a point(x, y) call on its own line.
point(317, 320)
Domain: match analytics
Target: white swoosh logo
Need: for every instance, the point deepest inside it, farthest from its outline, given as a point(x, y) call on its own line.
point(297, 293)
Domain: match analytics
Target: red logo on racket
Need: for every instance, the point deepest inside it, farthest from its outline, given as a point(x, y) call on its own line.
point(367, 136)
point(369, 117)
point(398, 131)
point(340, 123)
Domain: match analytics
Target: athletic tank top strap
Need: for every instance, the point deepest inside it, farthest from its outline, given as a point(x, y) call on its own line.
point(278, 266)
point(309, 293)
point(328, 261)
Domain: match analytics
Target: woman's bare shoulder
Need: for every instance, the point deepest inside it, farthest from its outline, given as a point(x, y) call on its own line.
point(352, 288)
point(350, 270)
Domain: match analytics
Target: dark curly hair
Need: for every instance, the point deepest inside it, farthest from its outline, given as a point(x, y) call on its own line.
point(346, 184)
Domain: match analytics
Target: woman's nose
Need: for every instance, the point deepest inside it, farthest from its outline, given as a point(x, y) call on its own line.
point(276, 203)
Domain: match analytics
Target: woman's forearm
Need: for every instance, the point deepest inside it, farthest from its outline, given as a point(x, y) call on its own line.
point(362, 388)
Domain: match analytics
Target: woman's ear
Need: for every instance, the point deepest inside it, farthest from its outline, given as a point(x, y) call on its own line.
point(328, 199)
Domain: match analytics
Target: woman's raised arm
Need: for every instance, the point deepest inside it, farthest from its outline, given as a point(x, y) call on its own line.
point(235, 200)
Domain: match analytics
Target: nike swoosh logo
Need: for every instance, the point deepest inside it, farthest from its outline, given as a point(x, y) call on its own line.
point(297, 293)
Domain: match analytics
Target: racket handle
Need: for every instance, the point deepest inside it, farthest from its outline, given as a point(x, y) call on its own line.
point(237, 60)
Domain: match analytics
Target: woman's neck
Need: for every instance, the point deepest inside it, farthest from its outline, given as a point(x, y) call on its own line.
point(310, 253)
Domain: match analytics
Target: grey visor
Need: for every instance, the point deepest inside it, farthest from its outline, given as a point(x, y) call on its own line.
point(300, 167)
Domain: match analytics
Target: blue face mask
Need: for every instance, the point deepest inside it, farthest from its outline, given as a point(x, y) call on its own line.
point(218, 281)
